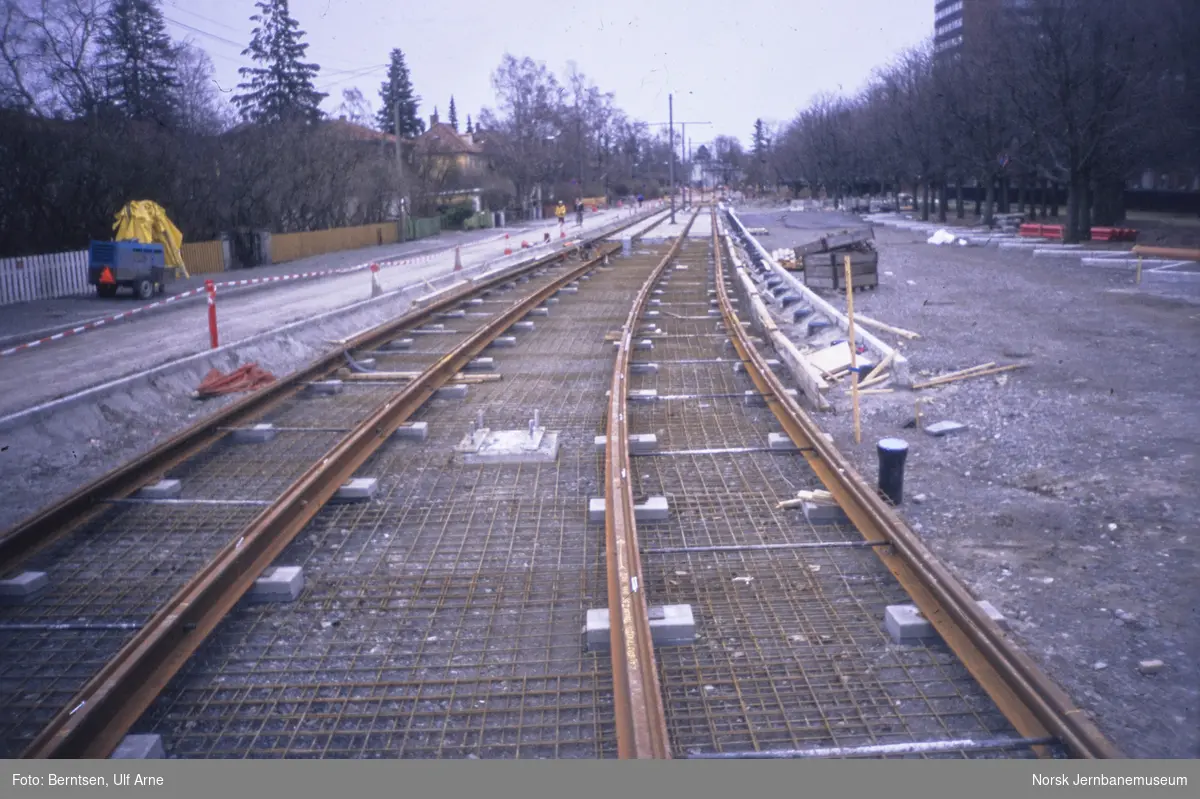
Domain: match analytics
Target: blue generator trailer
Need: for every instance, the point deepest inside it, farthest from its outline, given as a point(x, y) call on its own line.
point(127, 264)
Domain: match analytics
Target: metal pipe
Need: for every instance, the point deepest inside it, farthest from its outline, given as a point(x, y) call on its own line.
point(136, 501)
point(85, 626)
point(766, 547)
point(877, 750)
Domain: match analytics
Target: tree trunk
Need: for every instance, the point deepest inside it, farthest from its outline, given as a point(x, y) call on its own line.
point(1085, 210)
point(925, 201)
point(989, 203)
point(1075, 200)
point(942, 201)
point(1109, 205)
point(958, 198)
point(1053, 188)
point(1022, 194)
point(1004, 207)
point(979, 199)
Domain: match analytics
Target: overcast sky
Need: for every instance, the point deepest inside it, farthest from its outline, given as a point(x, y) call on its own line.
point(726, 63)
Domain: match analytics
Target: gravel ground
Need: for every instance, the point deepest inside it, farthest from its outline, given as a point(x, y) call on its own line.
point(1069, 501)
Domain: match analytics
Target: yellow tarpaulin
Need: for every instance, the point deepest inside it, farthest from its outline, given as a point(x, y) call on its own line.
point(147, 222)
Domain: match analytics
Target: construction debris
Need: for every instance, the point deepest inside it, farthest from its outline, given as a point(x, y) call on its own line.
point(818, 496)
point(823, 260)
point(899, 331)
point(245, 378)
point(974, 371)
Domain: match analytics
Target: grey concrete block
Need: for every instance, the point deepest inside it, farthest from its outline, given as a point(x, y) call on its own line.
point(23, 587)
point(504, 342)
point(512, 446)
point(453, 391)
point(163, 489)
point(600, 442)
point(139, 747)
point(279, 584)
point(643, 344)
point(652, 314)
point(643, 368)
point(670, 625)
point(906, 625)
point(551, 300)
point(780, 441)
point(939, 429)
point(654, 509)
point(524, 326)
point(714, 311)
point(417, 431)
point(357, 489)
point(482, 365)
point(755, 399)
point(458, 314)
point(800, 314)
point(655, 303)
point(325, 387)
point(569, 290)
point(788, 300)
point(819, 513)
point(993, 613)
point(257, 434)
point(641, 443)
point(366, 363)
point(474, 302)
point(643, 394)
point(540, 311)
point(658, 292)
point(397, 344)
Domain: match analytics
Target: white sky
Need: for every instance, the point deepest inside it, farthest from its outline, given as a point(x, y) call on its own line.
point(726, 63)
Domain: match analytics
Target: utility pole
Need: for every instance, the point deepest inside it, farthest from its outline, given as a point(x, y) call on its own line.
point(671, 123)
point(403, 232)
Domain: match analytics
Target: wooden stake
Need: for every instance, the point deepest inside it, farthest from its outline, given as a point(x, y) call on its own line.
point(874, 381)
point(878, 370)
point(899, 331)
point(877, 391)
point(941, 381)
point(853, 349)
point(1139, 271)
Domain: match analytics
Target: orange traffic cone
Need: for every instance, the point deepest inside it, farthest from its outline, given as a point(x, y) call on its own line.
point(457, 259)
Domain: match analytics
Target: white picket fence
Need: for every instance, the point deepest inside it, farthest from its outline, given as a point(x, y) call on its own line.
point(43, 277)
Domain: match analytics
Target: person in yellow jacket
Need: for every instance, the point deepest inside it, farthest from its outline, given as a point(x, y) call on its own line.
point(560, 211)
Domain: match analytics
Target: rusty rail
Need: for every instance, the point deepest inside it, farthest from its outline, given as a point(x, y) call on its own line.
point(637, 697)
point(1035, 706)
point(53, 523)
point(98, 717)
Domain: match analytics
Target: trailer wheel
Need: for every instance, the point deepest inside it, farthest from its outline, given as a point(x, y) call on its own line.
point(143, 289)
point(106, 290)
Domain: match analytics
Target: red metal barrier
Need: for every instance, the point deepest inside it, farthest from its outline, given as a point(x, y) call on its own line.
point(1030, 231)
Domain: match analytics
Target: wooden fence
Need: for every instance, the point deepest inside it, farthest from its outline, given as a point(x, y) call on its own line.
point(293, 246)
point(43, 277)
point(204, 257)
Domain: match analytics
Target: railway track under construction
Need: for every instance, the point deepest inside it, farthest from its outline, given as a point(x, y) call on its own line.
point(541, 521)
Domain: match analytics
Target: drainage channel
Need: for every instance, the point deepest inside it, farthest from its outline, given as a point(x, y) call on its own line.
point(788, 653)
point(101, 583)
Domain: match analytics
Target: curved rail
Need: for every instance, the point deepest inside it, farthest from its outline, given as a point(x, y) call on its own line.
point(638, 704)
point(110, 703)
point(1035, 706)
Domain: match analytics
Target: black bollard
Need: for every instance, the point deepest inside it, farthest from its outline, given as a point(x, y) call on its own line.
point(892, 453)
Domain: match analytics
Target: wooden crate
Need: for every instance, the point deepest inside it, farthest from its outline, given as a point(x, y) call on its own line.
point(827, 270)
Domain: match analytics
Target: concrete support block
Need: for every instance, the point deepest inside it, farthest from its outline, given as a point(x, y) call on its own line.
point(819, 513)
point(714, 311)
point(993, 613)
point(800, 314)
point(906, 625)
point(280, 584)
point(780, 441)
point(654, 509)
point(397, 345)
point(23, 588)
point(325, 387)
point(540, 311)
point(643, 344)
point(258, 434)
point(458, 314)
point(417, 431)
point(569, 290)
point(817, 325)
point(482, 365)
point(139, 747)
point(652, 314)
point(455, 391)
point(670, 625)
point(524, 326)
point(754, 399)
point(642, 443)
point(357, 489)
point(551, 300)
point(740, 366)
point(655, 303)
point(658, 292)
point(643, 394)
point(644, 368)
point(939, 429)
point(601, 442)
point(504, 342)
point(163, 489)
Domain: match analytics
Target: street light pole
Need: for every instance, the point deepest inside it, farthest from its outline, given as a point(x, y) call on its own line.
point(671, 124)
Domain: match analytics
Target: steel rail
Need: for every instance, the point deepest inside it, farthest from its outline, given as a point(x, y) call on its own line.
point(1035, 706)
point(112, 701)
point(58, 520)
point(641, 719)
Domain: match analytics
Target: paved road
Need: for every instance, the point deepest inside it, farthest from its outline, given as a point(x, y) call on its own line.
point(73, 364)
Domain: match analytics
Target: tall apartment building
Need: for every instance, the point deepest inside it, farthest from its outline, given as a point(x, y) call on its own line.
point(959, 24)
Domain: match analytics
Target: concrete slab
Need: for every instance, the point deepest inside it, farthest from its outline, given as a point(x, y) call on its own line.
point(456, 391)
point(993, 613)
point(643, 395)
point(551, 300)
point(417, 431)
point(139, 747)
point(279, 584)
point(821, 514)
point(654, 509)
point(163, 489)
point(515, 446)
point(256, 434)
point(325, 387)
point(644, 368)
point(540, 312)
point(524, 326)
point(641, 443)
point(906, 625)
point(939, 429)
point(504, 342)
point(481, 365)
point(569, 290)
point(458, 314)
point(357, 489)
point(643, 344)
point(23, 588)
point(670, 625)
point(780, 441)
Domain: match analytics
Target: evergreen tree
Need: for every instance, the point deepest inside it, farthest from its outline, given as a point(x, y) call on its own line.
point(139, 62)
point(397, 89)
point(470, 129)
point(282, 88)
point(453, 114)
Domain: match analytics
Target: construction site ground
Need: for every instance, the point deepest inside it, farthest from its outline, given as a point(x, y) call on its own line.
point(1069, 500)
